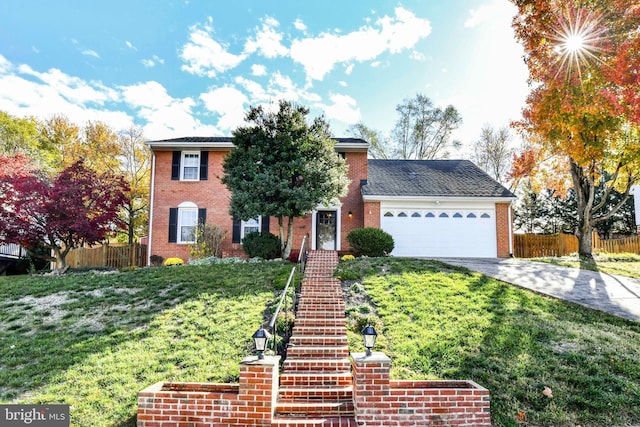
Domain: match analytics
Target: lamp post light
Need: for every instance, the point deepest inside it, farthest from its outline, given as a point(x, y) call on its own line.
point(369, 334)
point(260, 339)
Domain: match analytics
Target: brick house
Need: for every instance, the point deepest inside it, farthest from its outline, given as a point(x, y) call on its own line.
point(431, 208)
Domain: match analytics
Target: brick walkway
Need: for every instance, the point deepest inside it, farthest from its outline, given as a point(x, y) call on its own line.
point(316, 386)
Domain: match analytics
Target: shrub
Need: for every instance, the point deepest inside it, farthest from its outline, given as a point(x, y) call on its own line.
point(174, 261)
point(347, 257)
point(209, 238)
point(370, 241)
point(261, 245)
point(156, 260)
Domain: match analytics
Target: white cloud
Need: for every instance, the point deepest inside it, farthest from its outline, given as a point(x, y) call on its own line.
point(256, 91)
point(343, 108)
point(130, 45)
point(165, 116)
point(349, 69)
point(90, 52)
point(152, 62)
point(5, 65)
point(258, 70)
point(418, 56)
point(483, 14)
point(393, 34)
point(342, 83)
point(229, 103)
point(299, 25)
point(205, 56)
point(267, 41)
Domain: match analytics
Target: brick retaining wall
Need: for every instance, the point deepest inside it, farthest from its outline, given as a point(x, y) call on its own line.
point(382, 402)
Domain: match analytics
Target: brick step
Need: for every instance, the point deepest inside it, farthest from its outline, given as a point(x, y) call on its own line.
point(316, 379)
point(316, 304)
point(318, 340)
point(320, 323)
point(322, 281)
point(316, 393)
point(317, 365)
point(318, 352)
point(348, 421)
point(319, 330)
point(292, 407)
point(314, 314)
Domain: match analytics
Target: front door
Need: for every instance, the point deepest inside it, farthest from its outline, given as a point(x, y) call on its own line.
point(326, 230)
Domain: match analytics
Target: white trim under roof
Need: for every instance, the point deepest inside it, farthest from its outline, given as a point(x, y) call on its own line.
point(436, 199)
point(227, 145)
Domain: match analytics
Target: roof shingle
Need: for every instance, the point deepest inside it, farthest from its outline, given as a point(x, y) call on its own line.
point(430, 178)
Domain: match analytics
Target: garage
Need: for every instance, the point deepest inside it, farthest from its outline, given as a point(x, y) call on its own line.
point(441, 232)
point(438, 208)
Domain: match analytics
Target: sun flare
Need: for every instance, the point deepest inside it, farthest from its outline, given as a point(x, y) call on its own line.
point(577, 39)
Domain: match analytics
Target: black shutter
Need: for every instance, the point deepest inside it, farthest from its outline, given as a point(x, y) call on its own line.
point(235, 231)
point(202, 216)
point(204, 165)
point(265, 224)
point(173, 225)
point(175, 165)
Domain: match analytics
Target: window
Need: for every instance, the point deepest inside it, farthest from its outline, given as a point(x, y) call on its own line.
point(388, 214)
point(471, 215)
point(443, 215)
point(416, 215)
point(187, 222)
point(251, 226)
point(402, 215)
point(430, 215)
point(183, 221)
point(457, 215)
point(485, 215)
point(190, 166)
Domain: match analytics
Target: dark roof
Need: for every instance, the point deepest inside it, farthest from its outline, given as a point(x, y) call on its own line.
point(425, 178)
point(201, 139)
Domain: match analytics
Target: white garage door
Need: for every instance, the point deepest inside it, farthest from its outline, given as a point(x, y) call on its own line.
point(441, 233)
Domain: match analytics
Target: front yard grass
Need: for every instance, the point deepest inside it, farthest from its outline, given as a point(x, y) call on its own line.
point(95, 340)
point(439, 321)
point(624, 264)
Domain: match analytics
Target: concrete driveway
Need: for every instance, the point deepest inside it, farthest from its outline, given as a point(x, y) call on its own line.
point(617, 295)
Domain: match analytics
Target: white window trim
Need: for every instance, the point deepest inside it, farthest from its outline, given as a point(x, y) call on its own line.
point(183, 164)
point(244, 224)
point(182, 208)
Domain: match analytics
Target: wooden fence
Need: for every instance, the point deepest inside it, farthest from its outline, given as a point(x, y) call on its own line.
point(536, 245)
point(116, 256)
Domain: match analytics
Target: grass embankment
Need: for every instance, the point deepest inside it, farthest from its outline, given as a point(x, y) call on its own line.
point(95, 340)
point(438, 321)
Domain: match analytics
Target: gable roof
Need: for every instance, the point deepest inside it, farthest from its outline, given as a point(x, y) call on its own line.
point(226, 142)
point(430, 178)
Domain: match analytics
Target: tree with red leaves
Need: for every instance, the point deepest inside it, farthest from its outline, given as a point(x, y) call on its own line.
point(583, 115)
point(76, 207)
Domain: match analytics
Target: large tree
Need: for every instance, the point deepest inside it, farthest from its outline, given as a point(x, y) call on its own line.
point(283, 166)
point(423, 131)
point(378, 143)
point(493, 153)
point(136, 169)
point(76, 207)
point(583, 112)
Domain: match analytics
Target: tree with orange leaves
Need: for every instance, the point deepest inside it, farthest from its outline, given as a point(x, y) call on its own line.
point(583, 114)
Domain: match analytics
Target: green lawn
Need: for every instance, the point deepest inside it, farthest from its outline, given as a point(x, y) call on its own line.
point(95, 340)
point(624, 264)
point(437, 321)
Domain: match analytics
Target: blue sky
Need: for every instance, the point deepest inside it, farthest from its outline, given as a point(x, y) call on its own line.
point(192, 68)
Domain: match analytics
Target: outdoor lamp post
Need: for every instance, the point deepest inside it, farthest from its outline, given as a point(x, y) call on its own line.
point(369, 334)
point(260, 340)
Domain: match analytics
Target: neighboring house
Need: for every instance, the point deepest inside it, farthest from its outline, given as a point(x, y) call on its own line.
point(431, 208)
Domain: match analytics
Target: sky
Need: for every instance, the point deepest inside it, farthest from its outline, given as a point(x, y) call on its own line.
point(193, 68)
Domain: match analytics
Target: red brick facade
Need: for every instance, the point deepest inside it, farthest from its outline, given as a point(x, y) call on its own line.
point(212, 195)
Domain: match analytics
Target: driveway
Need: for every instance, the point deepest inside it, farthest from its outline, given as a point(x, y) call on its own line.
point(617, 295)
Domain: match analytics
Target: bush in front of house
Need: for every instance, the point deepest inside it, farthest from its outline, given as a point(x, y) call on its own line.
point(209, 238)
point(370, 241)
point(156, 260)
point(261, 245)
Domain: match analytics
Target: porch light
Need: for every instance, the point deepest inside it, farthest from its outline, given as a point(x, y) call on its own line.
point(260, 339)
point(369, 334)
point(350, 214)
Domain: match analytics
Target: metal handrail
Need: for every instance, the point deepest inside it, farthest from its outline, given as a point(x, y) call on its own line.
point(272, 323)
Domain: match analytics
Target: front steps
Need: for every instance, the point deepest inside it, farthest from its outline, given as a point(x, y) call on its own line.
point(316, 385)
